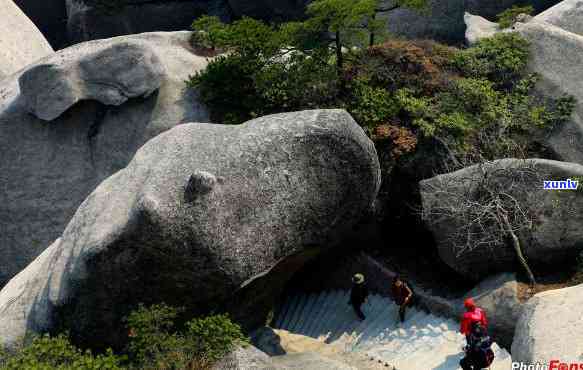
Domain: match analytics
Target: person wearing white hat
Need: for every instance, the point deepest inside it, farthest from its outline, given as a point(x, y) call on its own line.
point(358, 295)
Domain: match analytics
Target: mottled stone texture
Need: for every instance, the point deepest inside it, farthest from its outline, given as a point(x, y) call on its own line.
point(48, 168)
point(275, 190)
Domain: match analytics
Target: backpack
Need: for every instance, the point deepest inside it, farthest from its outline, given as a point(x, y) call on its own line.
point(483, 347)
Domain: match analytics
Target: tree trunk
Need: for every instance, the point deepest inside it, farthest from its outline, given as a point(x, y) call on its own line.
point(518, 249)
point(340, 64)
point(339, 55)
point(371, 37)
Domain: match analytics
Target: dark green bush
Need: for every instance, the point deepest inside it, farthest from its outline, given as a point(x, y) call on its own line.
point(508, 17)
point(501, 59)
point(228, 88)
point(215, 336)
point(50, 353)
point(156, 342)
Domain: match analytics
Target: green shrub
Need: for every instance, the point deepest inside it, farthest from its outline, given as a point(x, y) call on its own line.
point(508, 17)
point(49, 353)
point(152, 332)
point(227, 87)
point(501, 59)
point(372, 105)
point(215, 336)
point(156, 342)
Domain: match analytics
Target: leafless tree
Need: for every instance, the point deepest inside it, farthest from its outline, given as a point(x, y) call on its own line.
point(493, 206)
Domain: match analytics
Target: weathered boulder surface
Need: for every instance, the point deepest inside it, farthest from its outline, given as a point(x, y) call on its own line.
point(47, 169)
point(556, 235)
point(490, 9)
point(498, 296)
point(550, 328)
point(478, 28)
point(566, 15)
point(555, 55)
point(50, 16)
point(245, 358)
point(21, 43)
point(278, 10)
point(208, 217)
point(443, 20)
point(556, 51)
point(96, 19)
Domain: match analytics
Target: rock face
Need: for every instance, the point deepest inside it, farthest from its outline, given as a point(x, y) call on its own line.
point(550, 327)
point(490, 9)
point(478, 28)
point(245, 358)
point(555, 237)
point(209, 217)
point(443, 20)
point(566, 15)
point(96, 19)
point(556, 45)
point(498, 296)
point(555, 55)
point(269, 10)
point(21, 43)
point(50, 16)
point(47, 169)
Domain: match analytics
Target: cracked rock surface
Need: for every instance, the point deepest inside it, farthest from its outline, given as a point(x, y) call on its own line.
point(208, 217)
point(72, 119)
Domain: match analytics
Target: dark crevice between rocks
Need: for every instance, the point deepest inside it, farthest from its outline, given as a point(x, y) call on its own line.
point(94, 128)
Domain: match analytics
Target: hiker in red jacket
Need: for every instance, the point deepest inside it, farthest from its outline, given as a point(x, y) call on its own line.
point(473, 314)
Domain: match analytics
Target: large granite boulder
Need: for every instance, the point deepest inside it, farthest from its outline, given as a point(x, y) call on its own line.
point(208, 217)
point(21, 43)
point(96, 19)
point(442, 20)
point(568, 15)
point(245, 358)
point(490, 9)
point(555, 55)
point(76, 117)
point(550, 328)
point(50, 16)
point(478, 28)
point(278, 10)
point(556, 216)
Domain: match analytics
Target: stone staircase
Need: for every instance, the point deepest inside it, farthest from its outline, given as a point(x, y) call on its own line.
point(424, 341)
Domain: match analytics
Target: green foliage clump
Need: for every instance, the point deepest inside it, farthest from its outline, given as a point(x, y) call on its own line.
point(264, 70)
point(215, 336)
point(57, 353)
point(500, 59)
point(479, 101)
point(508, 17)
point(156, 342)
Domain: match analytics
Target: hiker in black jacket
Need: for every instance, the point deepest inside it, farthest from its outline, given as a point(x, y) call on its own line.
point(479, 354)
point(358, 295)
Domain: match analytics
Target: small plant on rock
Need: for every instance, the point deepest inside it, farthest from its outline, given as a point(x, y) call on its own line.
point(508, 17)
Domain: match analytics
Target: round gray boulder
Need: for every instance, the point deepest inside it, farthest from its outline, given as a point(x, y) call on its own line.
point(555, 234)
point(550, 328)
point(209, 217)
point(72, 119)
point(21, 43)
